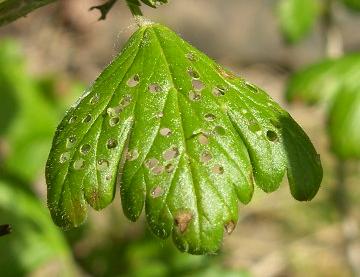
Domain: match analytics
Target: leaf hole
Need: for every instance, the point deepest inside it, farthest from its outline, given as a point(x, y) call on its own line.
point(79, 164)
point(114, 121)
point(64, 157)
point(194, 95)
point(72, 119)
point(210, 117)
point(159, 115)
point(125, 102)
point(157, 192)
point(151, 163)
point(70, 142)
point(102, 164)
point(218, 169)
point(85, 149)
point(132, 155)
point(87, 118)
point(230, 227)
point(171, 153)
point(169, 168)
point(203, 139)
point(154, 88)
point(197, 84)
point(111, 144)
point(165, 132)
point(182, 221)
point(94, 99)
point(114, 111)
point(206, 157)
point(133, 81)
point(271, 135)
point(157, 170)
point(193, 73)
point(191, 56)
point(219, 91)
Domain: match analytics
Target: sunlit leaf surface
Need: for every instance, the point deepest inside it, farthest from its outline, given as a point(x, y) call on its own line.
point(183, 138)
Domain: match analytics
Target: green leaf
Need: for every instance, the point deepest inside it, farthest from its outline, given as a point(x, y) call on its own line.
point(185, 139)
point(11, 10)
point(321, 81)
point(27, 118)
point(34, 242)
point(297, 17)
point(353, 4)
point(344, 117)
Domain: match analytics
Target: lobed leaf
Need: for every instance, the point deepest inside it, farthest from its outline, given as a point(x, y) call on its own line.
point(297, 17)
point(185, 139)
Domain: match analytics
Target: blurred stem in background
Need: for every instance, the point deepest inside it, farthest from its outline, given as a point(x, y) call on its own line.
point(334, 41)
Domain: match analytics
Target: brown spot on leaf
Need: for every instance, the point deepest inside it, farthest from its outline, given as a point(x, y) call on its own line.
point(157, 192)
point(230, 227)
point(182, 220)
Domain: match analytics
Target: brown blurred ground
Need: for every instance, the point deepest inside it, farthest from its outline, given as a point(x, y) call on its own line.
point(276, 235)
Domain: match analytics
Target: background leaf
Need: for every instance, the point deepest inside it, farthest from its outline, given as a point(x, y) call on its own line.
point(343, 123)
point(297, 17)
point(32, 117)
point(321, 81)
point(34, 241)
point(353, 4)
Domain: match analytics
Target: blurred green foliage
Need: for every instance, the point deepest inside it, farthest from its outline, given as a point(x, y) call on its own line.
point(335, 82)
point(297, 17)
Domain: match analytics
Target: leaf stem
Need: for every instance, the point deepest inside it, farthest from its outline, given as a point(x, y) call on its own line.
point(341, 198)
point(134, 8)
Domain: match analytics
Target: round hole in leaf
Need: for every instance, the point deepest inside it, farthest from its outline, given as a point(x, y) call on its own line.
point(133, 81)
point(87, 118)
point(210, 117)
point(70, 142)
point(111, 143)
point(197, 85)
point(194, 95)
point(165, 132)
point(153, 88)
point(114, 121)
point(157, 192)
point(193, 74)
point(94, 99)
point(85, 149)
point(64, 157)
point(218, 169)
point(219, 90)
point(102, 164)
point(271, 135)
point(79, 164)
